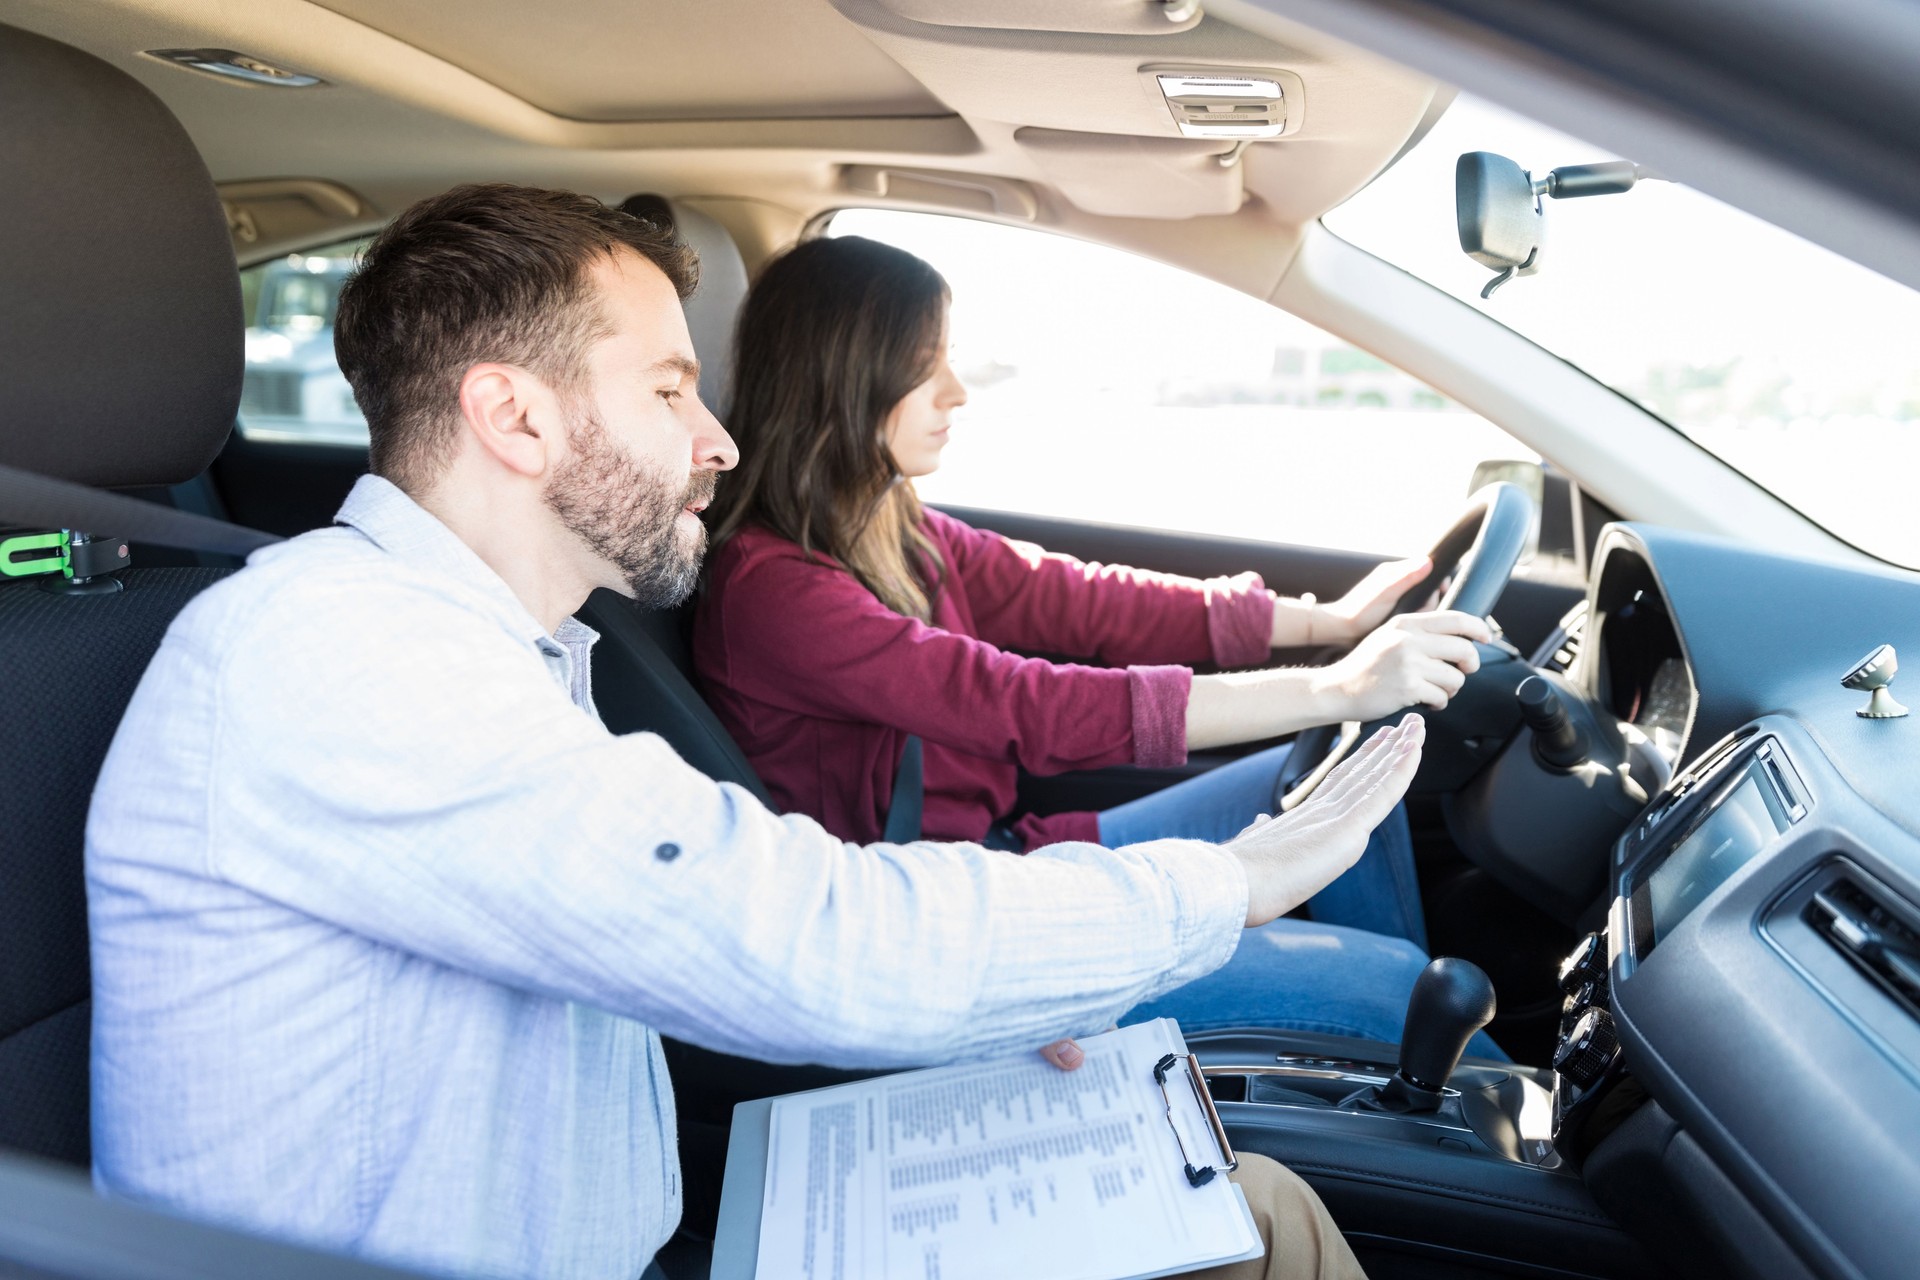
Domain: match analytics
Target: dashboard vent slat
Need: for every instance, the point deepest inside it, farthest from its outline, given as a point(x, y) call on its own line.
point(1873, 937)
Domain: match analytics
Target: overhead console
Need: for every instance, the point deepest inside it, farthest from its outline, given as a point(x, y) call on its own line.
point(1101, 17)
point(1148, 110)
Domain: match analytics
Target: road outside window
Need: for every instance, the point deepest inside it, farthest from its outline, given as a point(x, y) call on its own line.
point(294, 390)
point(1107, 387)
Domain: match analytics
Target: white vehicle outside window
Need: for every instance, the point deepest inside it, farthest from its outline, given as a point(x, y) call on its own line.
point(1107, 387)
point(294, 390)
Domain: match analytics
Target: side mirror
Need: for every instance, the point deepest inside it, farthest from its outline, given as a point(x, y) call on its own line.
point(1530, 477)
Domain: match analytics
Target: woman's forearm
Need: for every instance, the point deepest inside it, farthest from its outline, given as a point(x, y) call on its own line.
point(1301, 623)
point(1247, 706)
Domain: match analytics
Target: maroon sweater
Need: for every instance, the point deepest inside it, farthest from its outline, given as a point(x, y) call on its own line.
point(821, 683)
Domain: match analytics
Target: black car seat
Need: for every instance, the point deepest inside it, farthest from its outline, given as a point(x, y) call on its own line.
point(121, 351)
point(642, 670)
point(643, 682)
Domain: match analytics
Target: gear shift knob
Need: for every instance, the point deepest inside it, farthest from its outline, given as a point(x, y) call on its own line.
point(1451, 1000)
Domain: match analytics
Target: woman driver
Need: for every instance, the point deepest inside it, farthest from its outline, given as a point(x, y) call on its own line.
point(840, 616)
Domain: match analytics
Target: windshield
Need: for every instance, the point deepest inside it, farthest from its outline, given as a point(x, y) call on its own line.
point(1792, 364)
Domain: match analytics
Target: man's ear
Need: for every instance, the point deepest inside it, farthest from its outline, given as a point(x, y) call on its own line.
point(513, 416)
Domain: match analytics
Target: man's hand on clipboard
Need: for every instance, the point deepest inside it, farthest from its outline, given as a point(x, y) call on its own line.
point(1290, 858)
point(1065, 1054)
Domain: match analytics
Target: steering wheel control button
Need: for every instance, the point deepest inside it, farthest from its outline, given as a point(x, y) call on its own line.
point(1588, 1050)
point(1872, 674)
point(666, 852)
point(1557, 740)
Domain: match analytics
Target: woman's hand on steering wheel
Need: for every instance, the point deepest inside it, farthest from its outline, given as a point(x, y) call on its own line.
point(1413, 660)
point(1371, 601)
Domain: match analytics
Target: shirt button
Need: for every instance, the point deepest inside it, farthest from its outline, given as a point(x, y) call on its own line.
point(666, 852)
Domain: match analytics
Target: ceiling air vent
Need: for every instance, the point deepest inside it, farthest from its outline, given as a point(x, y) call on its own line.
point(1212, 105)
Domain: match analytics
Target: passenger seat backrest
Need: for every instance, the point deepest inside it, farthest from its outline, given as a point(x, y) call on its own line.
point(642, 671)
point(715, 305)
point(121, 351)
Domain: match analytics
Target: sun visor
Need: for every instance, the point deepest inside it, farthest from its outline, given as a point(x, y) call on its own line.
point(121, 338)
point(1120, 175)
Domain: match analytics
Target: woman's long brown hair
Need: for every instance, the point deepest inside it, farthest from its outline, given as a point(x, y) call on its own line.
point(832, 337)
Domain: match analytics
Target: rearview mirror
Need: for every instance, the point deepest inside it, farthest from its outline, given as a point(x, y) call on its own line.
point(1500, 221)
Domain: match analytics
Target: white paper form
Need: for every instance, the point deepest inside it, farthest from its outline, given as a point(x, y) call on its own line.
point(1003, 1169)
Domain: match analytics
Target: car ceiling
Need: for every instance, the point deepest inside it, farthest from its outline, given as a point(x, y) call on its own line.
point(767, 113)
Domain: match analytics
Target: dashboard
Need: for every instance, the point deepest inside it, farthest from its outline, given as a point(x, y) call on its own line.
point(1758, 971)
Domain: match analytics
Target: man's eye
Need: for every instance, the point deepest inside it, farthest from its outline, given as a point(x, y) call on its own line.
point(670, 395)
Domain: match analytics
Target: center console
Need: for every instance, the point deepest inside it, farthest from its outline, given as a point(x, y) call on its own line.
point(1737, 801)
point(1431, 1168)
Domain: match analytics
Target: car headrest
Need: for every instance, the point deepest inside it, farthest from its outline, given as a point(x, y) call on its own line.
point(121, 332)
point(715, 305)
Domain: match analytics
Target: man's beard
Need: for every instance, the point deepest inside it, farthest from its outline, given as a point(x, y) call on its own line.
point(628, 515)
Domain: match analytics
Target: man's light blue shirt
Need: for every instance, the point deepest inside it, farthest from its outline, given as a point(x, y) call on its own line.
point(387, 925)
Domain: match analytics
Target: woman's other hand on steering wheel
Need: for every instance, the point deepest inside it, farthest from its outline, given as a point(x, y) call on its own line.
point(1413, 660)
point(1370, 603)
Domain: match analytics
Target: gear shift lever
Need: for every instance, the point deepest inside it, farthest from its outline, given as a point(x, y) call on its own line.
point(1451, 1000)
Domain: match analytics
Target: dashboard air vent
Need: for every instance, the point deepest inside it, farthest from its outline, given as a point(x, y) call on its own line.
point(1875, 938)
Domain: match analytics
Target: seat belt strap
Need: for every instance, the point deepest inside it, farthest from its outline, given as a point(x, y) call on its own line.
point(909, 793)
point(34, 501)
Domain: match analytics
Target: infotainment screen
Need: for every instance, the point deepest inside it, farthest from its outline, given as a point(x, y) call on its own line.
point(1744, 822)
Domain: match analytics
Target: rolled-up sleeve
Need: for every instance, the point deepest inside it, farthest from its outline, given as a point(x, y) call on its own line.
point(1239, 620)
point(457, 806)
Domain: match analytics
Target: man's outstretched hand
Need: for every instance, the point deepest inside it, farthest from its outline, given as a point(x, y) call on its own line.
point(1290, 858)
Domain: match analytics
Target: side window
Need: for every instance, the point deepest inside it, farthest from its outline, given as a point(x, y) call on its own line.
point(1104, 386)
point(294, 389)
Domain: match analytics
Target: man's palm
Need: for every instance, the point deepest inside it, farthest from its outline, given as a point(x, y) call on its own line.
point(1290, 858)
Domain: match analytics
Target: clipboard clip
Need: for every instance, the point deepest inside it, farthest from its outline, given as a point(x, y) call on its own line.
point(1198, 1175)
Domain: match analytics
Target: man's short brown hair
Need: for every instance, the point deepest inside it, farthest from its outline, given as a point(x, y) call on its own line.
point(482, 273)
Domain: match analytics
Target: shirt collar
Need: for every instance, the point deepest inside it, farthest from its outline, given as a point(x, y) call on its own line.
point(381, 512)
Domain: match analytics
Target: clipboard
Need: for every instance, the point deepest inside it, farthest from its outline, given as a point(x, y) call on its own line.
point(736, 1249)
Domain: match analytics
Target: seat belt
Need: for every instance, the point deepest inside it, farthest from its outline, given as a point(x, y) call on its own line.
point(909, 792)
point(33, 501)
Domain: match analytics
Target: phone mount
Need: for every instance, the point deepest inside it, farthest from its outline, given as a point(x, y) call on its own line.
point(1874, 673)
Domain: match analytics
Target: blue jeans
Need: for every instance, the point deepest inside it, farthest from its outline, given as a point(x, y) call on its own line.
point(1347, 972)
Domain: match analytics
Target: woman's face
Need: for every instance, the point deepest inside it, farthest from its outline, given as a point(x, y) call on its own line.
point(916, 430)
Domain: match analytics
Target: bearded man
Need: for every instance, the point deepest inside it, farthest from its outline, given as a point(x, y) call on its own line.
point(387, 926)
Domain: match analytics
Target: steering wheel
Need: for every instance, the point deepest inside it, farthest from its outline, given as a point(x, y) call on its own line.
point(1479, 554)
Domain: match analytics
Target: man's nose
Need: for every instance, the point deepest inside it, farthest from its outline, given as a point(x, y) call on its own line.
point(713, 448)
